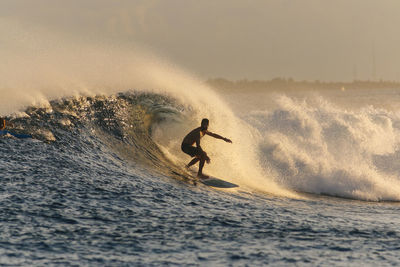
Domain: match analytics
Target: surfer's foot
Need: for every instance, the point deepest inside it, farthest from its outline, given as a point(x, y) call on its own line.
point(202, 176)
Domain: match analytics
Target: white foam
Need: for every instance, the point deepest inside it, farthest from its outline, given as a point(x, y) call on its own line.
point(314, 146)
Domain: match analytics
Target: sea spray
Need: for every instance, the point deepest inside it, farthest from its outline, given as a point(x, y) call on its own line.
point(52, 66)
point(314, 146)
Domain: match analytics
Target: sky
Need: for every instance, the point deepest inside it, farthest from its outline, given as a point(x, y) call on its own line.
point(325, 40)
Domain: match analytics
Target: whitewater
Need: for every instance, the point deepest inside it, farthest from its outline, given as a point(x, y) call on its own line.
point(103, 181)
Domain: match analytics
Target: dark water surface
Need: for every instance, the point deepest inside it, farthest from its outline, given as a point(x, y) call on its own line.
point(62, 209)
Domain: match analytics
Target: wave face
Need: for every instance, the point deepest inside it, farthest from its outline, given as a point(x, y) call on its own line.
point(311, 145)
point(123, 123)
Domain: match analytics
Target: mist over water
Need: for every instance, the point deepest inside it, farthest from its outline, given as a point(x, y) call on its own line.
point(42, 65)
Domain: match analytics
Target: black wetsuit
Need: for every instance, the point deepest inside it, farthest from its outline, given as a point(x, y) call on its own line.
point(191, 150)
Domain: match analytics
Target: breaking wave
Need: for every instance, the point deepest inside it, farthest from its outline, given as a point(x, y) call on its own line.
point(314, 146)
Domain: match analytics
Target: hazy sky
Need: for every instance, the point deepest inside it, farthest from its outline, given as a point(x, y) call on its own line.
point(254, 39)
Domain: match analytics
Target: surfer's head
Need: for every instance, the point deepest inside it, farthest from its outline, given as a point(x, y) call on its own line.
point(204, 124)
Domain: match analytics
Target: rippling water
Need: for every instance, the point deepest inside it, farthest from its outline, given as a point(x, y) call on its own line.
point(60, 209)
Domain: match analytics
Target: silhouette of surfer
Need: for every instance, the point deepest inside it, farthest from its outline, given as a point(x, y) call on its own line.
point(196, 151)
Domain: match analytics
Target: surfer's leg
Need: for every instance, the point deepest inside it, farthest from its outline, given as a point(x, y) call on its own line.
point(191, 163)
point(201, 165)
point(203, 159)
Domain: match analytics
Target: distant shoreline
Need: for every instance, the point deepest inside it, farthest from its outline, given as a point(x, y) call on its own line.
point(291, 84)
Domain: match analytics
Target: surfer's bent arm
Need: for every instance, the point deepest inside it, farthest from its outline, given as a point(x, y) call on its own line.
point(218, 136)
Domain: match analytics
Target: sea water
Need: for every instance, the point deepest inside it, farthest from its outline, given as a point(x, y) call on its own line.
point(97, 184)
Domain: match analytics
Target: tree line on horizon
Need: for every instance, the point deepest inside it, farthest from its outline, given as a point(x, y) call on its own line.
point(289, 83)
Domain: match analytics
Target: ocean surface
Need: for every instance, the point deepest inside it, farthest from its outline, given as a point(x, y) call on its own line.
point(102, 182)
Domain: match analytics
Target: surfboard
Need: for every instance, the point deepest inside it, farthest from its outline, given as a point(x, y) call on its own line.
point(216, 182)
point(5, 132)
point(213, 181)
point(210, 181)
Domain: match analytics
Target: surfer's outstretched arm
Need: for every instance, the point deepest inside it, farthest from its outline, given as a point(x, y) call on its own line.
point(218, 137)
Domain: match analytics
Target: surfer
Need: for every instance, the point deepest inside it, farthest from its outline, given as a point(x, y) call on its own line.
point(197, 152)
